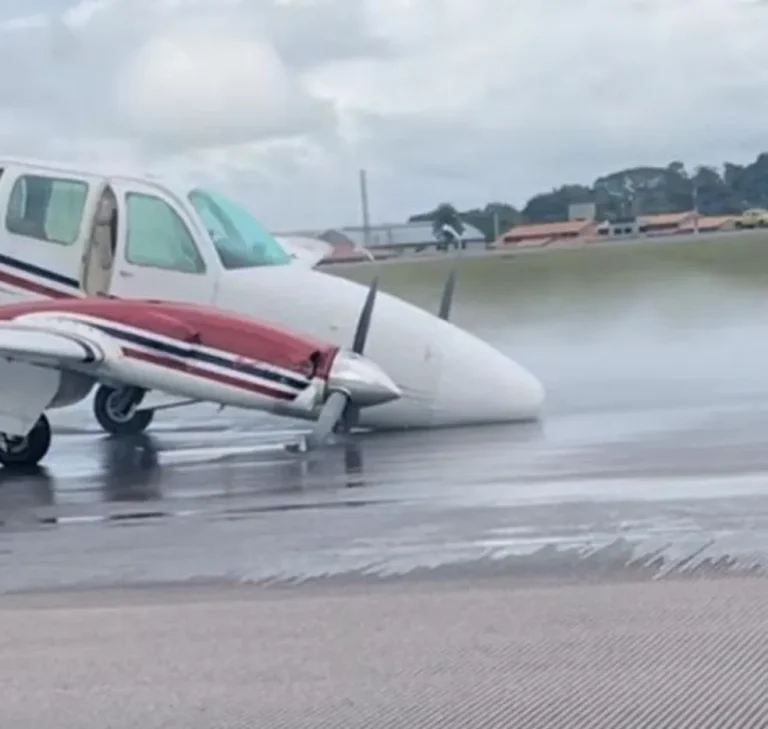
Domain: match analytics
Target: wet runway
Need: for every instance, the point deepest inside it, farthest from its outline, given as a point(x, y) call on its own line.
point(681, 490)
point(650, 460)
point(529, 575)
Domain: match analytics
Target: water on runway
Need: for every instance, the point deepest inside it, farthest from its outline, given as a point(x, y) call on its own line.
point(650, 457)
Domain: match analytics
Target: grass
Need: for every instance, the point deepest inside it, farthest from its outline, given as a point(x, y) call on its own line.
point(740, 260)
point(695, 281)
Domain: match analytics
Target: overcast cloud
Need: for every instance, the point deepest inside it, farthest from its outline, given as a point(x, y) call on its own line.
point(282, 101)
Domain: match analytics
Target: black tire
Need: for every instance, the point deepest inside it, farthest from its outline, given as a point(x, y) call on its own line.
point(27, 451)
point(137, 423)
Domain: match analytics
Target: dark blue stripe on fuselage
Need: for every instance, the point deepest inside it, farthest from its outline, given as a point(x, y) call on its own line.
point(203, 357)
point(34, 270)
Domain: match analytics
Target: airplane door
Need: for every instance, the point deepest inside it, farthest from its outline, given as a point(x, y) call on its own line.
point(157, 254)
point(100, 246)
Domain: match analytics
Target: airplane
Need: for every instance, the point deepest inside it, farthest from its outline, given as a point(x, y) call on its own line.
point(72, 231)
point(52, 353)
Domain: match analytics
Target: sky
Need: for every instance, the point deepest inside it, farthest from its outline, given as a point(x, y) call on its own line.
point(281, 102)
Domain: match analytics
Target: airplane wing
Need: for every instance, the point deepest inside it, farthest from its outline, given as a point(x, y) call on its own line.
point(34, 360)
point(38, 351)
point(37, 345)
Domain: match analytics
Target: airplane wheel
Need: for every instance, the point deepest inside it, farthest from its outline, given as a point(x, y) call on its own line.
point(107, 412)
point(28, 450)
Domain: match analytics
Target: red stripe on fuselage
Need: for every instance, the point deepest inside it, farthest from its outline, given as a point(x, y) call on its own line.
point(34, 287)
point(235, 334)
point(174, 364)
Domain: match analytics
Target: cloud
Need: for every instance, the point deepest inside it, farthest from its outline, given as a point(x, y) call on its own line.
point(493, 100)
point(311, 32)
point(204, 82)
point(284, 100)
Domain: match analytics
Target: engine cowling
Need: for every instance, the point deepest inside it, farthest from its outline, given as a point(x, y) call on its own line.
point(73, 388)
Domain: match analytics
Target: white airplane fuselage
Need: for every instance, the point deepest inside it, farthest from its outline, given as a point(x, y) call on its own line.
point(185, 244)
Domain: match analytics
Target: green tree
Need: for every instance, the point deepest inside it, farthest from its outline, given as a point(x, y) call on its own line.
point(493, 219)
point(446, 214)
point(627, 192)
point(549, 207)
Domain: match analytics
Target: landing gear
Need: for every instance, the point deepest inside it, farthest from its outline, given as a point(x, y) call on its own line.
point(26, 450)
point(115, 410)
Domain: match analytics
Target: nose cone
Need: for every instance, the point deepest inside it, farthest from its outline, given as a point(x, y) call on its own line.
point(480, 384)
point(363, 380)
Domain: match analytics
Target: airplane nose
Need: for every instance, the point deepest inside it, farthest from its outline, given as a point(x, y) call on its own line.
point(363, 380)
point(480, 384)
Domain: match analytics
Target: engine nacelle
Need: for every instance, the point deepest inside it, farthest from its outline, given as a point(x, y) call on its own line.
point(73, 388)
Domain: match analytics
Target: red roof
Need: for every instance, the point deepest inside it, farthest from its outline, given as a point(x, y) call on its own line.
point(544, 231)
point(666, 218)
point(707, 222)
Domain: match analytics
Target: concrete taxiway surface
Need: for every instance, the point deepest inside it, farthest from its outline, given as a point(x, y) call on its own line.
point(460, 654)
point(604, 566)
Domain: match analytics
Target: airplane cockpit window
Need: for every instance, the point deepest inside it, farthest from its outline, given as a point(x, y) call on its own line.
point(156, 236)
point(240, 241)
point(46, 208)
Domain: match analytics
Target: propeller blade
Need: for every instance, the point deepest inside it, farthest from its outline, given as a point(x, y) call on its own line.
point(332, 411)
point(350, 418)
point(351, 415)
point(338, 412)
point(446, 302)
point(364, 322)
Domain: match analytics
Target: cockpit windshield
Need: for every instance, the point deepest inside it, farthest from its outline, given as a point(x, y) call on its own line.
point(240, 241)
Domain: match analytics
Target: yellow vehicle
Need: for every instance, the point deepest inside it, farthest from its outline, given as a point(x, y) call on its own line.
point(753, 218)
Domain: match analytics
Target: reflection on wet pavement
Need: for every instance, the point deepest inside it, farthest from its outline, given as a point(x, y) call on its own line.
point(575, 495)
point(650, 460)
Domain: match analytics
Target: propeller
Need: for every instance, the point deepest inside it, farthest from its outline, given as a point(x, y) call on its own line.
point(351, 415)
point(446, 301)
point(331, 413)
point(364, 321)
point(338, 410)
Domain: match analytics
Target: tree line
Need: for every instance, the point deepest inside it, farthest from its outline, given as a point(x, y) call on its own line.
point(624, 194)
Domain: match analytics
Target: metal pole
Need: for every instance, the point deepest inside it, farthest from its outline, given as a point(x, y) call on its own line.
point(695, 208)
point(364, 205)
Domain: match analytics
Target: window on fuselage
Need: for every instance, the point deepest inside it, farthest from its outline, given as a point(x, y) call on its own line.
point(157, 237)
point(240, 241)
point(46, 208)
